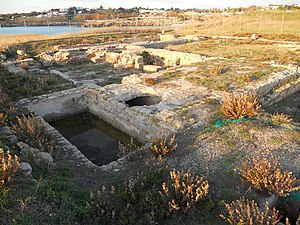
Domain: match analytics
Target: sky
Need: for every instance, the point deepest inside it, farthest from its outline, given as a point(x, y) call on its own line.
point(10, 6)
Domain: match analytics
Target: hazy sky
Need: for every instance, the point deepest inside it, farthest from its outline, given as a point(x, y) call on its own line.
point(8, 6)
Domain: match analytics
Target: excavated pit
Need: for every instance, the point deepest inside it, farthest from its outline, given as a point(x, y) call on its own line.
point(97, 140)
point(143, 100)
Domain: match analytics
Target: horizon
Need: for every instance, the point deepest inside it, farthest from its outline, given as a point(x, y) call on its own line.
point(27, 6)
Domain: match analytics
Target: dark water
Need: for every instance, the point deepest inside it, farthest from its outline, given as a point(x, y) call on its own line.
point(96, 139)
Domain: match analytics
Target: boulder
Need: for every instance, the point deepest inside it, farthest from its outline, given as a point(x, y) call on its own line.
point(3, 56)
point(6, 131)
point(25, 169)
point(27, 150)
point(43, 159)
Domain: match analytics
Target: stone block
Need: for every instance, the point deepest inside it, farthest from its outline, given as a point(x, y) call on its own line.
point(152, 68)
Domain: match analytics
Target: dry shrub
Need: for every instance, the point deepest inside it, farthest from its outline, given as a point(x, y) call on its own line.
point(279, 118)
point(245, 212)
point(186, 192)
point(163, 144)
point(9, 166)
point(216, 70)
point(3, 118)
point(32, 131)
point(149, 81)
point(236, 106)
point(268, 176)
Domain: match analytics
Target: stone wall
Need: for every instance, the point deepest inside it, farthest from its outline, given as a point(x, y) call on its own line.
point(138, 122)
point(277, 86)
point(58, 104)
point(175, 58)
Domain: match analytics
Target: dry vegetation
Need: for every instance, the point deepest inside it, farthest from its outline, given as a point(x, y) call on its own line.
point(268, 22)
point(8, 166)
point(245, 212)
point(268, 176)
point(237, 106)
point(279, 118)
point(31, 130)
point(186, 192)
point(163, 145)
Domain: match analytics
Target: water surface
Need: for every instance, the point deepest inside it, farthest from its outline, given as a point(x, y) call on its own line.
point(95, 138)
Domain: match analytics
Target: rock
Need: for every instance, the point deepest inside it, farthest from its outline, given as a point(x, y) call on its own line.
point(96, 59)
point(24, 66)
point(3, 56)
point(132, 79)
point(25, 169)
point(6, 131)
point(152, 68)
point(44, 159)
point(12, 139)
point(12, 68)
point(8, 135)
point(20, 52)
point(27, 150)
point(254, 37)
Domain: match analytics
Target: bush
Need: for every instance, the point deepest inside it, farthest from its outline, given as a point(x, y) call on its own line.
point(9, 166)
point(268, 176)
point(32, 131)
point(216, 70)
point(245, 212)
point(279, 118)
point(163, 144)
point(186, 191)
point(236, 106)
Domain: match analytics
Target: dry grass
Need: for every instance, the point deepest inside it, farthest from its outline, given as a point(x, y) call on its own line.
point(149, 81)
point(163, 145)
point(31, 130)
point(9, 166)
point(236, 106)
point(268, 176)
point(245, 212)
point(216, 70)
point(262, 22)
point(279, 118)
point(187, 190)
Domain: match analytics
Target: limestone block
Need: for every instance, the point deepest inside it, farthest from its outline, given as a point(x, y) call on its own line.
point(132, 79)
point(112, 57)
point(152, 68)
point(96, 59)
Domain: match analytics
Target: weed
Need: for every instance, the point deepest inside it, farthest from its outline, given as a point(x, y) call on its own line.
point(149, 81)
point(215, 70)
point(268, 176)
point(163, 144)
point(186, 191)
point(279, 118)
point(32, 131)
point(9, 166)
point(245, 212)
point(236, 106)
